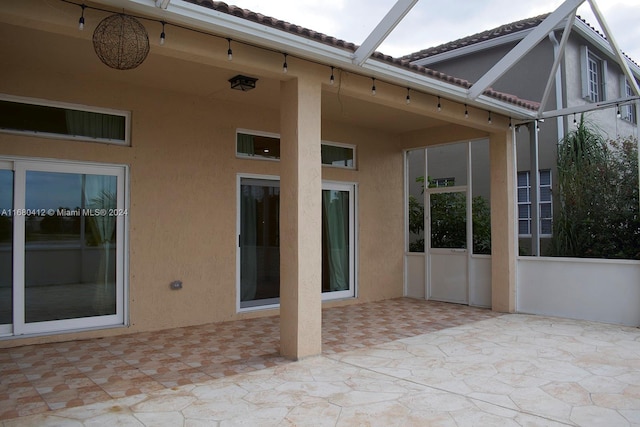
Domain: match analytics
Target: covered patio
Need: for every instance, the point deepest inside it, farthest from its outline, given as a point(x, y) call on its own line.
point(394, 362)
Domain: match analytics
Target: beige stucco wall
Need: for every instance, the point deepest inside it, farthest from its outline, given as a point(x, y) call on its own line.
point(183, 183)
point(182, 163)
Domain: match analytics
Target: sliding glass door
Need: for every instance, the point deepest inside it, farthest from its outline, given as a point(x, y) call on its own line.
point(63, 228)
point(259, 241)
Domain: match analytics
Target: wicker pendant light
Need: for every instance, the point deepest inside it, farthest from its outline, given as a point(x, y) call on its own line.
point(121, 42)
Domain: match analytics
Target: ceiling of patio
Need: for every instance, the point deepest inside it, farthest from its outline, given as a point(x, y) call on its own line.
point(38, 51)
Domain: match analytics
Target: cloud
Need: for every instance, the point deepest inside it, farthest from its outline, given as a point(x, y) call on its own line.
point(433, 22)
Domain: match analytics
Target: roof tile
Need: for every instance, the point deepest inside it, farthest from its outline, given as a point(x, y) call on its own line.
point(403, 62)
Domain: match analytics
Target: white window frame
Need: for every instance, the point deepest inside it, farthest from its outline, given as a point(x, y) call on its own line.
point(540, 202)
point(78, 107)
point(352, 187)
point(337, 144)
point(629, 112)
point(594, 82)
point(240, 155)
point(19, 328)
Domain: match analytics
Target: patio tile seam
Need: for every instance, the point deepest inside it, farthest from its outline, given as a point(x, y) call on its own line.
point(475, 399)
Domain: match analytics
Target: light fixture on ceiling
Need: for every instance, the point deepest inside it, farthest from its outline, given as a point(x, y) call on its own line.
point(466, 111)
point(439, 106)
point(373, 86)
point(489, 119)
point(285, 67)
point(243, 83)
point(229, 51)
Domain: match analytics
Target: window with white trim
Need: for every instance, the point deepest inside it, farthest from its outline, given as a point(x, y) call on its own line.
point(545, 205)
point(629, 111)
point(266, 146)
point(338, 155)
point(51, 119)
point(442, 182)
point(594, 75)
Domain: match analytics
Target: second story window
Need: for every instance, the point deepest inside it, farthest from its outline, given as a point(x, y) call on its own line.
point(594, 75)
point(629, 111)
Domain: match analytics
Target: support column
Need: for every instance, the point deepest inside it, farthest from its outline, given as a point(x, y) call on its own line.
point(534, 182)
point(300, 219)
point(503, 223)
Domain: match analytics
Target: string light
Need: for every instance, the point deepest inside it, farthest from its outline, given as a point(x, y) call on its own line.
point(162, 41)
point(162, 35)
point(81, 20)
point(618, 115)
point(575, 122)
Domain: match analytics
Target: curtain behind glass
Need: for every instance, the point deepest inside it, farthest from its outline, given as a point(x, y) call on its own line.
point(246, 144)
point(95, 125)
point(248, 244)
point(335, 205)
point(100, 198)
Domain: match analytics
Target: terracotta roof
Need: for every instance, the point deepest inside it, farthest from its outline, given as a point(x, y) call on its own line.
point(494, 33)
point(351, 47)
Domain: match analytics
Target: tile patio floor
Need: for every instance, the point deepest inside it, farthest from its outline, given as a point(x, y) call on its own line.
point(399, 362)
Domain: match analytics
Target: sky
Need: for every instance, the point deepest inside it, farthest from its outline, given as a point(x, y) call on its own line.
point(433, 22)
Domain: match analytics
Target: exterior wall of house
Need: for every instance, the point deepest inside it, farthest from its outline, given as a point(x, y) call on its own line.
point(524, 79)
point(183, 184)
point(605, 120)
point(183, 169)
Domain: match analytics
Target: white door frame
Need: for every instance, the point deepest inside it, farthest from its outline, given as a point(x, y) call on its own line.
point(20, 168)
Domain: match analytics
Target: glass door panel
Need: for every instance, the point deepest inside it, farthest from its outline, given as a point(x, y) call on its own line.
point(259, 242)
point(70, 246)
point(338, 237)
point(6, 249)
point(335, 241)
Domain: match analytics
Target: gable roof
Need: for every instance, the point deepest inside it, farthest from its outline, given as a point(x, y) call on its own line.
point(297, 30)
point(503, 30)
point(494, 33)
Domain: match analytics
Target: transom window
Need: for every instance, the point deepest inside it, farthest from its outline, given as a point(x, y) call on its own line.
point(544, 204)
point(61, 120)
point(266, 146)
